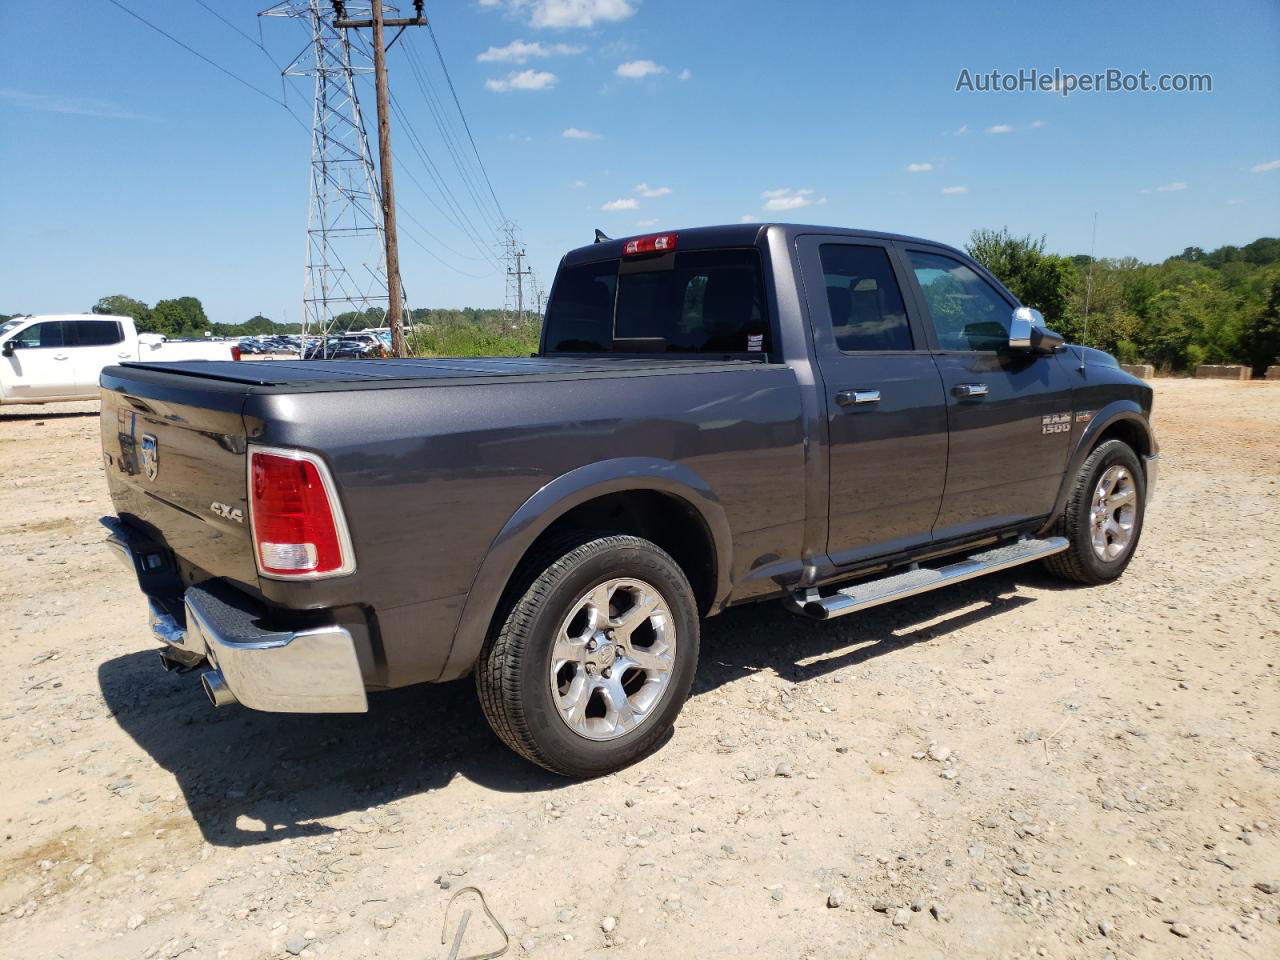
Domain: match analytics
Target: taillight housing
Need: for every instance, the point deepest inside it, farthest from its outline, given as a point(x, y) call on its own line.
point(298, 528)
point(658, 243)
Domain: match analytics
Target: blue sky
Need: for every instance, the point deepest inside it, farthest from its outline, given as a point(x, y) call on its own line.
point(132, 167)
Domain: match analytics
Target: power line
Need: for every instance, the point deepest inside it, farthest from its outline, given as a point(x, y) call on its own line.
point(466, 126)
point(458, 218)
point(217, 66)
point(463, 223)
point(438, 115)
point(256, 43)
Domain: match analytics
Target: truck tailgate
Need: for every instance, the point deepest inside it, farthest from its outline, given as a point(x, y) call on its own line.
point(174, 453)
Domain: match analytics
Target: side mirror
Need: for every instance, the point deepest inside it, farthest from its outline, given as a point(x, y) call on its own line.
point(1044, 340)
point(1028, 332)
point(8, 348)
point(1023, 324)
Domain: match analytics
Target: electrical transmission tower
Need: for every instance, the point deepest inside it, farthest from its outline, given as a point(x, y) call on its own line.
point(519, 276)
point(346, 242)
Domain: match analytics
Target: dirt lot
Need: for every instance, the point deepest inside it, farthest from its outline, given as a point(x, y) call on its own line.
point(1110, 781)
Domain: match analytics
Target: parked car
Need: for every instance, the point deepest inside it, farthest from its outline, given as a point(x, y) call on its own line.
point(59, 357)
point(349, 346)
point(724, 415)
point(321, 350)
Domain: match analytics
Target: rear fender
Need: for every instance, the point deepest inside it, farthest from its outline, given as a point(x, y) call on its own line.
point(553, 501)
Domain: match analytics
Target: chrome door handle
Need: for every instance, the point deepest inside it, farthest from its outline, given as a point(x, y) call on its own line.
point(971, 391)
point(847, 398)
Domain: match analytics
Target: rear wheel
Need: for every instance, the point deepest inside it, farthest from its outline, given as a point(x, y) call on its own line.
point(1103, 516)
point(594, 660)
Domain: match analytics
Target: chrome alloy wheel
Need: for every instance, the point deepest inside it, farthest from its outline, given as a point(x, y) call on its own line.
point(612, 659)
point(1113, 512)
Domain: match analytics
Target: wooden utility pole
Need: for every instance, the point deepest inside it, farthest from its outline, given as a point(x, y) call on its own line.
point(395, 296)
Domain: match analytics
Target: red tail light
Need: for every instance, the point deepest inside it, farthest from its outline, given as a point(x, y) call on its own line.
point(658, 243)
point(297, 523)
point(235, 352)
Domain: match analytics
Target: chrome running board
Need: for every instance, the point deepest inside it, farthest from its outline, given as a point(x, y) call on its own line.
point(872, 593)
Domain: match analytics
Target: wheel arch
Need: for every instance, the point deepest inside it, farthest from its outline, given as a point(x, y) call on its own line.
point(659, 500)
point(1120, 420)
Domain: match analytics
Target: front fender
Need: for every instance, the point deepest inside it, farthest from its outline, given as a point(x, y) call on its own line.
point(1104, 419)
point(553, 501)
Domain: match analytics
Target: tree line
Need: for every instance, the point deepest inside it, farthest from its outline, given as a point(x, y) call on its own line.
point(1221, 306)
point(1196, 307)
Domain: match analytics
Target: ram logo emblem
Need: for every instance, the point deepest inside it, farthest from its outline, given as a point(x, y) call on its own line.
point(1056, 423)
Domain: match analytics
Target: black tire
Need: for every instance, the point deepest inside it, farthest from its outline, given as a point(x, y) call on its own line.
point(1079, 562)
point(513, 673)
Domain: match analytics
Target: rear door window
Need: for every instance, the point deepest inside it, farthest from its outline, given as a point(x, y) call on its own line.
point(691, 302)
point(867, 312)
point(97, 333)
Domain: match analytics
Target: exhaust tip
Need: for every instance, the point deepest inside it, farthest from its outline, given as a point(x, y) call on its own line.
point(216, 689)
point(166, 663)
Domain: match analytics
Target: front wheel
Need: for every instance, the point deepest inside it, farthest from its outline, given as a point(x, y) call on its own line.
point(1103, 516)
point(594, 660)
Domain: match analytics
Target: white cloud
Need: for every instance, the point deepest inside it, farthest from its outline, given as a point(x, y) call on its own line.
point(919, 167)
point(1001, 128)
point(573, 133)
point(1264, 167)
point(639, 69)
point(622, 203)
point(1171, 187)
point(1037, 124)
point(686, 74)
point(575, 13)
point(518, 51)
point(961, 130)
point(579, 184)
point(784, 198)
point(955, 189)
point(77, 106)
point(748, 218)
point(645, 223)
point(523, 80)
point(647, 191)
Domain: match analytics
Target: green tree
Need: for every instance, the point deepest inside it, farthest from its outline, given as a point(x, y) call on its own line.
point(120, 305)
point(1038, 279)
point(181, 317)
point(1260, 331)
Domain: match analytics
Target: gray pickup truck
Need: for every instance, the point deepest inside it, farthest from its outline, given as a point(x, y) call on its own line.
point(834, 418)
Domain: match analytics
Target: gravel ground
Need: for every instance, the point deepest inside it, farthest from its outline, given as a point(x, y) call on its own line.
point(1011, 767)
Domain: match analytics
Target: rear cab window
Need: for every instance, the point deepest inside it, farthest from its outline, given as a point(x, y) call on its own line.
point(97, 333)
point(686, 302)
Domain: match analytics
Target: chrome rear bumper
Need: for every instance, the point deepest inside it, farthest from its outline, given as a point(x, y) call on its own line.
point(309, 670)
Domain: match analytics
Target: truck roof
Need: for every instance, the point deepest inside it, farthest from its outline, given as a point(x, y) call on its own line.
point(729, 235)
point(74, 316)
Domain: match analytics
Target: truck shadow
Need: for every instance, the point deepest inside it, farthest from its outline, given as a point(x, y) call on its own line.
point(7, 417)
point(251, 777)
point(767, 637)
